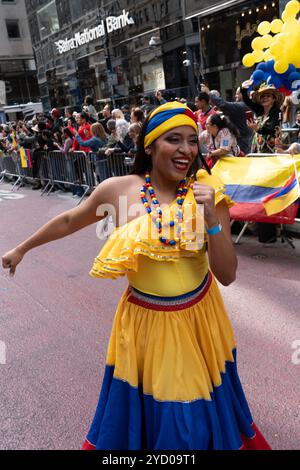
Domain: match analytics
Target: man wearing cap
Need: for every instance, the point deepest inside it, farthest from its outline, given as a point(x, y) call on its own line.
point(57, 122)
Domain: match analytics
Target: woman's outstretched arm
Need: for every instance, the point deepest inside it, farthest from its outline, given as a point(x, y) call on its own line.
point(63, 225)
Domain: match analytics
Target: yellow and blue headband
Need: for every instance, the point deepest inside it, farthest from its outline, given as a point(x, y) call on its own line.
point(167, 117)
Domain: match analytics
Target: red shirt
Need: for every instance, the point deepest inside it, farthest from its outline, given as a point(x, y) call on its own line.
point(82, 135)
point(202, 117)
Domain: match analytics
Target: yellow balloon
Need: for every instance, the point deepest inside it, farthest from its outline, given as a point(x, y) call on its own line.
point(282, 38)
point(293, 7)
point(267, 55)
point(264, 28)
point(276, 50)
point(281, 66)
point(258, 56)
point(266, 41)
point(257, 44)
point(276, 26)
point(288, 16)
point(293, 58)
point(291, 26)
point(248, 60)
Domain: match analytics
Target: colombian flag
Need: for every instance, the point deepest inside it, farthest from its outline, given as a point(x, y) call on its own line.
point(260, 186)
point(282, 198)
point(13, 141)
point(25, 158)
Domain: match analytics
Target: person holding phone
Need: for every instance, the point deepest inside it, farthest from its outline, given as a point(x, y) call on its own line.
point(159, 97)
point(266, 104)
point(236, 112)
point(249, 116)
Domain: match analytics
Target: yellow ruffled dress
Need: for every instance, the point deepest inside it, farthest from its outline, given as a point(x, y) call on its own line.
point(170, 380)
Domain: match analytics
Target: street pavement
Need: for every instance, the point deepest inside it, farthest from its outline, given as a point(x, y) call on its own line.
point(55, 322)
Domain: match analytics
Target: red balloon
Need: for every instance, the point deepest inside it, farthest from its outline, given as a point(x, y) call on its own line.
point(284, 90)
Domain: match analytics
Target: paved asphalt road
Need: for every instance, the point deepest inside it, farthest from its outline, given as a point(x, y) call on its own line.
point(55, 324)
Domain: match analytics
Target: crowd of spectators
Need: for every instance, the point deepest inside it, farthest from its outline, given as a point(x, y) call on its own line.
point(251, 123)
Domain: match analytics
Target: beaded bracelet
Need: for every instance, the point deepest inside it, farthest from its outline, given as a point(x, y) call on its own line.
point(215, 230)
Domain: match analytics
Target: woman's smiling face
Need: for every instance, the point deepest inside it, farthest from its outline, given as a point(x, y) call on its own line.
point(267, 99)
point(174, 152)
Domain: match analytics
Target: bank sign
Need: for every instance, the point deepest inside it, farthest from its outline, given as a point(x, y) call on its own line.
point(110, 24)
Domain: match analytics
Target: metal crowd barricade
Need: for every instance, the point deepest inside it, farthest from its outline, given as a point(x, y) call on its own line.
point(10, 167)
point(286, 217)
point(75, 169)
point(119, 164)
point(291, 133)
point(100, 166)
point(34, 170)
point(1, 162)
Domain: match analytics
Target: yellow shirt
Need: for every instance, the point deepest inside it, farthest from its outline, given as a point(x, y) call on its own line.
point(151, 267)
point(169, 279)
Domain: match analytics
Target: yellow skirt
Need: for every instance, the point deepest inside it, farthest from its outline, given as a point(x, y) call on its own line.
point(171, 380)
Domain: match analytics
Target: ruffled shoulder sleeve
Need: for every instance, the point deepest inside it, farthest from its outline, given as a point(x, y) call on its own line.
point(139, 237)
point(211, 180)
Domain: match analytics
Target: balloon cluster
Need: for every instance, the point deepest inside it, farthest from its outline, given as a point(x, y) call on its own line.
point(278, 55)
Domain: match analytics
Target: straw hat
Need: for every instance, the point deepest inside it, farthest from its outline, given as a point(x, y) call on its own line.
point(264, 89)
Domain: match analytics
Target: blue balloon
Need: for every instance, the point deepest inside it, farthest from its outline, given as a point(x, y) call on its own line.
point(258, 76)
point(287, 84)
point(262, 66)
point(291, 69)
point(294, 76)
point(270, 66)
point(274, 80)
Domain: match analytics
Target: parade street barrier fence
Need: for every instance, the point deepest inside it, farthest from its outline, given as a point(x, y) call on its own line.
point(88, 170)
point(75, 169)
point(9, 166)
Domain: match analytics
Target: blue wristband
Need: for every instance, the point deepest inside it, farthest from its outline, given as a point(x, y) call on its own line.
point(215, 230)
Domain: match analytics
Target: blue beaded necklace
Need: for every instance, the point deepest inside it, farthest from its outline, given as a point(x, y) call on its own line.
point(157, 219)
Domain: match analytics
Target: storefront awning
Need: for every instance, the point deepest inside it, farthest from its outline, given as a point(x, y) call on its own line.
point(215, 8)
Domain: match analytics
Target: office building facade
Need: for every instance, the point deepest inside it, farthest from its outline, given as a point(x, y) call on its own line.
point(120, 50)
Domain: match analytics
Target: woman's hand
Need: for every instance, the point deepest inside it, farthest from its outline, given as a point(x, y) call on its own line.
point(253, 125)
point(294, 149)
point(205, 195)
point(11, 259)
point(204, 88)
point(247, 84)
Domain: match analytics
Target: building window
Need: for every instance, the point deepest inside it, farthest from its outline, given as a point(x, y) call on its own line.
point(81, 7)
point(13, 30)
point(48, 19)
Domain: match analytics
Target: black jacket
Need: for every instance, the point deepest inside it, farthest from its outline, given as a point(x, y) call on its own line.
point(270, 125)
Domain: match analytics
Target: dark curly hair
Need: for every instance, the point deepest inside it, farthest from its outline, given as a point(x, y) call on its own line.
point(222, 122)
